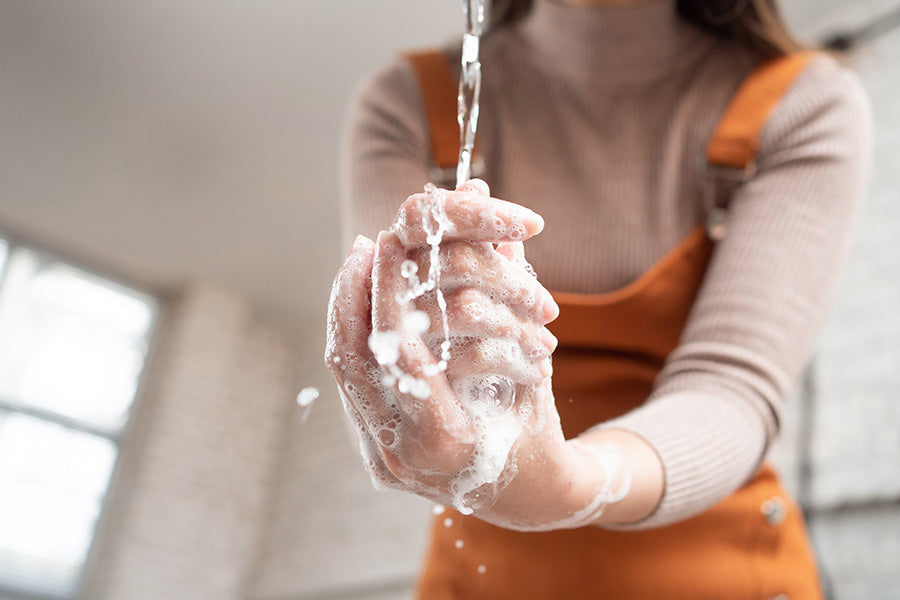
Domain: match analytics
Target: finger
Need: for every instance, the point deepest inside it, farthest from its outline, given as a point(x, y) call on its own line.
point(471, 313)
point(524, 361)
point(479, 266)
point(443, 426)
point(467, 216)
point(479, 186)
point(347, 354)
point(514, 251)
point(348, 321)
point(381, 475)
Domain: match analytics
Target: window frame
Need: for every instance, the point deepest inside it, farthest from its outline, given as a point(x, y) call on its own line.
point(120, 437)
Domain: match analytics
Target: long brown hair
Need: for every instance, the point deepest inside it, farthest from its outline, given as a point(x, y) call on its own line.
point(755, 23)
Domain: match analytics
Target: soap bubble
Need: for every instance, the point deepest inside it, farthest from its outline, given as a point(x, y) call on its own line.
point(416, 322)
point(408, 268)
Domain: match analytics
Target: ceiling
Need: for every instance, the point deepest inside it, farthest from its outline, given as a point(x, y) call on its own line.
point(169, 141)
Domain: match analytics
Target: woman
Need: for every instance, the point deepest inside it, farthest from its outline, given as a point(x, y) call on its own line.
point(605, 475)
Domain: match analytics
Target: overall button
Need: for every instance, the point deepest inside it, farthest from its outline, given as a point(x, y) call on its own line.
point(774, 510)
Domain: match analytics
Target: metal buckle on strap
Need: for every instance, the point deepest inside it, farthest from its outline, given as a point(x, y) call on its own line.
point(719, 181)
point(445, 177)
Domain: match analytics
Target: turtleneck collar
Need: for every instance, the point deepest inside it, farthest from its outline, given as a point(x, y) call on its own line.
point(612, 44)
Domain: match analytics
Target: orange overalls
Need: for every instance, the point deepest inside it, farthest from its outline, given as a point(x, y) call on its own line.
point(753, 545)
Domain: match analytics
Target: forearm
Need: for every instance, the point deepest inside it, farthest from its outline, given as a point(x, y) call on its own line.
point(705, 446)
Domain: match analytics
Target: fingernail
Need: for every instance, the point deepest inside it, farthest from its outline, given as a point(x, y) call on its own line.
point(534, 223)
point(358, 244)
point(549, 340)
point(550, 308)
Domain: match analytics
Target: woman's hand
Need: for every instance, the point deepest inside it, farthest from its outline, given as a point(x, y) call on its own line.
point(484, 434)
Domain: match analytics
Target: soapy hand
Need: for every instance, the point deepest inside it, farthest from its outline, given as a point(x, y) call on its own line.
point(483, 435)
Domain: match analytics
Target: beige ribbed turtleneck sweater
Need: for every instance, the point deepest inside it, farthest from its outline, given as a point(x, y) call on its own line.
point(595, 119)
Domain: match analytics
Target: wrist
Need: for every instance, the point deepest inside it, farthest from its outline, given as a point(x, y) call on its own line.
point(640, 463)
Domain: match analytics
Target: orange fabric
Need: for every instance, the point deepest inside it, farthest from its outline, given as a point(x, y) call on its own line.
point(439, 94)
point(735, 141)
point(611, 347)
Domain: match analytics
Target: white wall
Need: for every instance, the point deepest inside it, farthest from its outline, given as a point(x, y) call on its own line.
point(196, 471)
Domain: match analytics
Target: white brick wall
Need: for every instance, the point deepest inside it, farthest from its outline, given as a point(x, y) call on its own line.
point(331, 534)
point(860, 549)
point(196, 472)
point(854, 484)
point(859, 360)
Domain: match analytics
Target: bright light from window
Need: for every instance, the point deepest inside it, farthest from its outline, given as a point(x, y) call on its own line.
point(69, 343)
point(52, 482)
point(72, 347)
point(4, 248)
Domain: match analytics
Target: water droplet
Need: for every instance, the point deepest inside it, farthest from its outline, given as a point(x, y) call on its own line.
point(448, 522)
point(307, 396)
point(438, 509)
point(482, 569)
point(305, 399)
point(458, 544)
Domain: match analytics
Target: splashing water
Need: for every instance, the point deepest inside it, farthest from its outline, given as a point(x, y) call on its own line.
point(489, 400)
point(469, 87)
point(385, 345)
point(435, 224)
point(305, 400)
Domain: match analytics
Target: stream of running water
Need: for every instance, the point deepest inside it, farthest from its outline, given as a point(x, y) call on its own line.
point(469, 86)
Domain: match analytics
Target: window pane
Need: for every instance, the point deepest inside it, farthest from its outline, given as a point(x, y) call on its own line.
point(52, 481)
point(70, 342)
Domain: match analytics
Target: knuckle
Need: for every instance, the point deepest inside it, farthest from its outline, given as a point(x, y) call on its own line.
point(532, 342)
point(467, 306)
point(409, 219)
point(396, 466)
point(463, 259)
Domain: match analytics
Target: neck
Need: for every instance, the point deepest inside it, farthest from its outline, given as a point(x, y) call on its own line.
point(609, 45)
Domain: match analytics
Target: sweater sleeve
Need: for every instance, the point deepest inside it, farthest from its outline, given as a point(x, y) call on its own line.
point(717, 403)
point(385, 153)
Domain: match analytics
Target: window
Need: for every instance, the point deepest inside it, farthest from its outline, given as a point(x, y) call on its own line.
point(72, 347)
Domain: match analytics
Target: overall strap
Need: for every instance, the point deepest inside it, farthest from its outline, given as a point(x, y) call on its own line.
point(730, 157)
point(438, 86)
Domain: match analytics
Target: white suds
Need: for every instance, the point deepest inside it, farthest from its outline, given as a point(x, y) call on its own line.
point(458, 544)
point(448, 522)
point(438, 509)
point(482, 569)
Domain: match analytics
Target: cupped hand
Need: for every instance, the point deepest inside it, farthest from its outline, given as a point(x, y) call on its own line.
point(482, 435)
